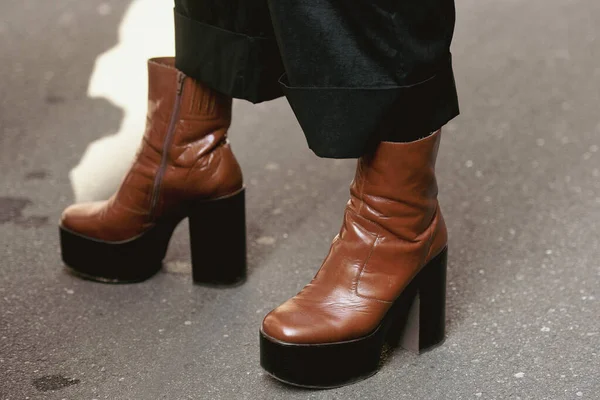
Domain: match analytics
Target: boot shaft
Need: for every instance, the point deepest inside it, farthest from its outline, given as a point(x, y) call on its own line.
point(395, 186)
point(179, 103)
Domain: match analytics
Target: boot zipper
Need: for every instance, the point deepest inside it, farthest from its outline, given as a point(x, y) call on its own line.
point(167, 143)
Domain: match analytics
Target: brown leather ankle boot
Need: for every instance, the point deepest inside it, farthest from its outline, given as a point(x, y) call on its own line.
point(184, 168)
point(383, 280)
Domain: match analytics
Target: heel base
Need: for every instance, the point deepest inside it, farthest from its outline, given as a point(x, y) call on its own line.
point(220, 282)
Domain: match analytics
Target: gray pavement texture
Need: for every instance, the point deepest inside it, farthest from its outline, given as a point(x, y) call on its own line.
point(519, 175)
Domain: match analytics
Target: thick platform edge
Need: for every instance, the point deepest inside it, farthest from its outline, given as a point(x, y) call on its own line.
point(316, 374)
point(130, 261)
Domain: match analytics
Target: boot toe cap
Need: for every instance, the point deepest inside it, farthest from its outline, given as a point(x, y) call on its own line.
point(287, 326)
point(292, 323)
point(80, 218)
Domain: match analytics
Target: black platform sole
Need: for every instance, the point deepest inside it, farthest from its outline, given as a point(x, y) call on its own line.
point(416, 321)
point(217, 240)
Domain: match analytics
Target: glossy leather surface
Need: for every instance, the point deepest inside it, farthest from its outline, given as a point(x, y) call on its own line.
point(392, 227)
point(196, 163)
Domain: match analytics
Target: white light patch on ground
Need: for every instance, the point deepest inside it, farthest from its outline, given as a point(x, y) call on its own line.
point(120, 77)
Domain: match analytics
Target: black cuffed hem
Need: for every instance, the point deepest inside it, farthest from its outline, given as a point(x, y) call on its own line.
point(346, 122)
point(241, 66)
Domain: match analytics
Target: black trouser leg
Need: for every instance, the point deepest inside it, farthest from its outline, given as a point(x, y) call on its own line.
point(356, 72)
point(230, 46)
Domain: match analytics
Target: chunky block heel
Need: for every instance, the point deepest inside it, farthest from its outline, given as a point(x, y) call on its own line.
point(415, 320)
point(426, 320)
point(218, 241)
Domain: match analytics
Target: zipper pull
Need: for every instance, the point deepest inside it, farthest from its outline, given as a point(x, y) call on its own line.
point(180, 80)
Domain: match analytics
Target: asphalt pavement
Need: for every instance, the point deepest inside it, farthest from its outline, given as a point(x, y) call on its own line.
point(519, 175)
